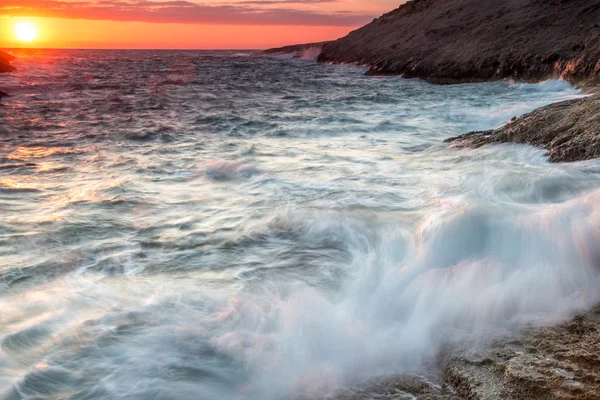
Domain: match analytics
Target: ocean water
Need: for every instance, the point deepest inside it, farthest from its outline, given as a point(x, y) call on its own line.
point(196, 225)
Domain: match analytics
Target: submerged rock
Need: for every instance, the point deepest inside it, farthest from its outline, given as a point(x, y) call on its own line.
point(569, 130)
point(5, 60)
point(454, 41)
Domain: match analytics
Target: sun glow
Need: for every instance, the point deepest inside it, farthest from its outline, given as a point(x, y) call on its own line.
point(25, 31)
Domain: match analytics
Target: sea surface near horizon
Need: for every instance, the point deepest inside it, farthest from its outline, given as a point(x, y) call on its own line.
point(223, 225)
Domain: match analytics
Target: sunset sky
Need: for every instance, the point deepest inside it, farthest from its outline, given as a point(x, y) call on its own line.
point(193, 24)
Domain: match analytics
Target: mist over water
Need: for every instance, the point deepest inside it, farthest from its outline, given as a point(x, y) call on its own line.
point(194, 225)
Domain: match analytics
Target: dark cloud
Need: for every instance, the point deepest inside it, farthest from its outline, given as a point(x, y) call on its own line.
point(181, 11)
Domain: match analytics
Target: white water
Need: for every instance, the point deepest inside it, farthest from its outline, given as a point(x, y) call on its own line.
point(279, 236)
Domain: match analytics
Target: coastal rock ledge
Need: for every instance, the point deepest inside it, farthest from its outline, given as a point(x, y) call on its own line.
point(551, 363)
point(559, 362)
point(569, 130)
point(459, 41)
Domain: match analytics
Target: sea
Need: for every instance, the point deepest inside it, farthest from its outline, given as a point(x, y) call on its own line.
point(227, 225)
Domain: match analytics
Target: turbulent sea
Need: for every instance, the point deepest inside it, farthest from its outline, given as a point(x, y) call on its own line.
point(196, 225)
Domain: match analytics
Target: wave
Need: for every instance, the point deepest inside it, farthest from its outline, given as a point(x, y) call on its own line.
point(550, 85)
point(386, 303)
point(227, 170)
point(465, 270)
point(305, 53)
point(310, 53)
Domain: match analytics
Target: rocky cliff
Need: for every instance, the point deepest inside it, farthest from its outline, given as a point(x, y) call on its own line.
point(455, 41)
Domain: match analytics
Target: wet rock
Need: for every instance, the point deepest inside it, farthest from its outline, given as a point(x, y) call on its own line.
point(5, 60)
point(546, 363)
point(405, 387)
point(561, 362)
point(455, 41)
point(569, 130)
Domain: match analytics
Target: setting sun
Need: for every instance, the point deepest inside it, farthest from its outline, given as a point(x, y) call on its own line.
point(25, 31)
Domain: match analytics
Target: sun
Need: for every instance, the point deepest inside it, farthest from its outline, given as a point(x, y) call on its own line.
point(25, 31)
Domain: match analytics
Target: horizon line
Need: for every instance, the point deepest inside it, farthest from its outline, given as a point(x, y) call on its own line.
point(129, 48)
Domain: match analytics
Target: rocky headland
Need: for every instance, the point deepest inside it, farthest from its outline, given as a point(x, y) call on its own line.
point(458, 41)
point(5, 60)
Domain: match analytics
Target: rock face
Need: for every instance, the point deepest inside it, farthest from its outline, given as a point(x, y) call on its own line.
point(569, 130)
point(456, 41)
point(5, 60)
point(555, 363)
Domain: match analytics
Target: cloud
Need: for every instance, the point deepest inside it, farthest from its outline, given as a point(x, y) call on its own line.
point(182, 11)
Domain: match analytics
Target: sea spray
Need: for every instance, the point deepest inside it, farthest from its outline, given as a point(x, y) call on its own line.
point(469, 271)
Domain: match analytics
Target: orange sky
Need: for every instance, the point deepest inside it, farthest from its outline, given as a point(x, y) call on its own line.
point(184, 24)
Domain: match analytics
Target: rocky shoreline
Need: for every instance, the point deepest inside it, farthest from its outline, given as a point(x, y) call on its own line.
point(546, 363)
point(460, 41)
point(559, 362)
point(569, 130)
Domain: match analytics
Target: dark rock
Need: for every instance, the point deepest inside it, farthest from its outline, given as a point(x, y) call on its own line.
point(5, 60)
point(569, 130)
point(6, 56)
point(455, 41)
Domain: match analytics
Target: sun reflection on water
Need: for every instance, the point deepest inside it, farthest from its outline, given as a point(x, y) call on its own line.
point(25, 152)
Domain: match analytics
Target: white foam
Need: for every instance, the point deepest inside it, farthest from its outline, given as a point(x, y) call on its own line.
point(473, 270)
point(226, 170)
